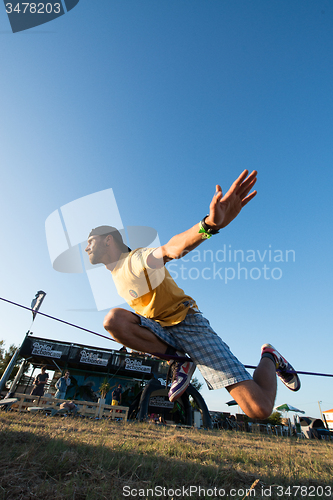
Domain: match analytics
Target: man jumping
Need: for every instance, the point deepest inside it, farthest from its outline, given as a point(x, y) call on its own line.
point(167, 321)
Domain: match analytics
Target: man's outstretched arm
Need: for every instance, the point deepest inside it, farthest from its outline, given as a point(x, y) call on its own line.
point(222, 210)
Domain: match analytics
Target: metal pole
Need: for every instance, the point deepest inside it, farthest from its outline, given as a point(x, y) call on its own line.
point(325, 422)
point(15, 382)
point(11, 365)
point(8, 370)
point(31, 378)
point(321, 413)
point(35, 305)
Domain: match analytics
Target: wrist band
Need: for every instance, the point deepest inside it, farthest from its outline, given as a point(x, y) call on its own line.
point(205, 234)
point(206, 230)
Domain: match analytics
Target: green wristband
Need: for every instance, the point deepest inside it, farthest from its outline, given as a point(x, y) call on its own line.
point(205, 234)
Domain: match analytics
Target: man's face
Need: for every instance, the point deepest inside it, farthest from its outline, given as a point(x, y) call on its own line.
point(96, 249)
point(67, 374)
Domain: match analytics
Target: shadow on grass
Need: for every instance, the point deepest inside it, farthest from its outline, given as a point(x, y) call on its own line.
point(35, 467)
point(98, 461)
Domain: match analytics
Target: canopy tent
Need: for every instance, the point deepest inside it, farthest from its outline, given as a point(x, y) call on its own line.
point(286, 407)
point(232, 403)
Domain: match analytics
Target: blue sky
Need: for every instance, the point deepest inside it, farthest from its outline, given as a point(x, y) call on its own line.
point(160, 101)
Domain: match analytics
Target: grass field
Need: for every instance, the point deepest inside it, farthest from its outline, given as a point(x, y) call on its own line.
point(78, 459)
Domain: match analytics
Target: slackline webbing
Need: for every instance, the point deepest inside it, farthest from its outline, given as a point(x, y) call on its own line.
point(57, 319)
point(160, 355)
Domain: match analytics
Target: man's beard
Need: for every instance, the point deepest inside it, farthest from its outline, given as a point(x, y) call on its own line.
point(95, 259)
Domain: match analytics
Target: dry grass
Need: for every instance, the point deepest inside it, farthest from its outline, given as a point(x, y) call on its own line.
point(74, 458)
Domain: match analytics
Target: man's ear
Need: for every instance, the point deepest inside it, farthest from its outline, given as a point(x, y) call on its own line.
point(108, 239)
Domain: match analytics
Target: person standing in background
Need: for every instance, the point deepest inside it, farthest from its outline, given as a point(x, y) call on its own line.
point(61, 386)
point(39, 383)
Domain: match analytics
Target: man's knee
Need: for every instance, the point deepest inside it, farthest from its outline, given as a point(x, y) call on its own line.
point(116, 322)
point(113, 319)
point(261, 411)
point(109, 319)
point(255, 402)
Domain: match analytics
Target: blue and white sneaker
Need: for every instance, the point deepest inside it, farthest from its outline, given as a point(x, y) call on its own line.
point(283, 368)
point(181, 374)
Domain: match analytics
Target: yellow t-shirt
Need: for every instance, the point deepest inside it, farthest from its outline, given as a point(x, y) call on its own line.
point(152, 293)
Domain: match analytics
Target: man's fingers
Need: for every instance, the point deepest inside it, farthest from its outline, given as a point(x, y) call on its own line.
point(241, 187)
point(246, 188)
point(250, 178)
point(247, 184)
point(218, 190)
point(241, 178)
point(248, 198)
point(218, 193)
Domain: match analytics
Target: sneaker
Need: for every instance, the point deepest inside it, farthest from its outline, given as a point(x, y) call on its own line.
point(283, 369)
point(181, 374)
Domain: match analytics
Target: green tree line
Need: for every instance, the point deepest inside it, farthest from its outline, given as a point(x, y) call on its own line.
point(5, 357)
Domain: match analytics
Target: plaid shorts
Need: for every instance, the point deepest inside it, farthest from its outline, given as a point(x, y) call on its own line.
point(195, 337)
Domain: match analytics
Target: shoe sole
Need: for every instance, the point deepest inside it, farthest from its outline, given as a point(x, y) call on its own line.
point(295, 381)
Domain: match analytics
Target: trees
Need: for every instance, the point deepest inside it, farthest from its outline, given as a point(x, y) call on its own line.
point(275, 418)
point(104, 388)
point(197, 385)
point(5, 357)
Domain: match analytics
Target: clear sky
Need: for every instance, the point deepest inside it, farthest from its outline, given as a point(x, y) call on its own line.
point(160, 100)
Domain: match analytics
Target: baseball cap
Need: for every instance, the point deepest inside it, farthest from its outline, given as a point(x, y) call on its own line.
point(105, 230)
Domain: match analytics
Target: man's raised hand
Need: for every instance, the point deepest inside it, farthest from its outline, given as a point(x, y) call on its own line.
point(223, 209)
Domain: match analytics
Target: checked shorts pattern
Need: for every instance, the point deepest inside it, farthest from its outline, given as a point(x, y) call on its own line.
point(195, 337)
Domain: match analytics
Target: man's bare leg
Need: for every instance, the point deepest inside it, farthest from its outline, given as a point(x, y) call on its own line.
point(124, 327)
point(256, 397)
